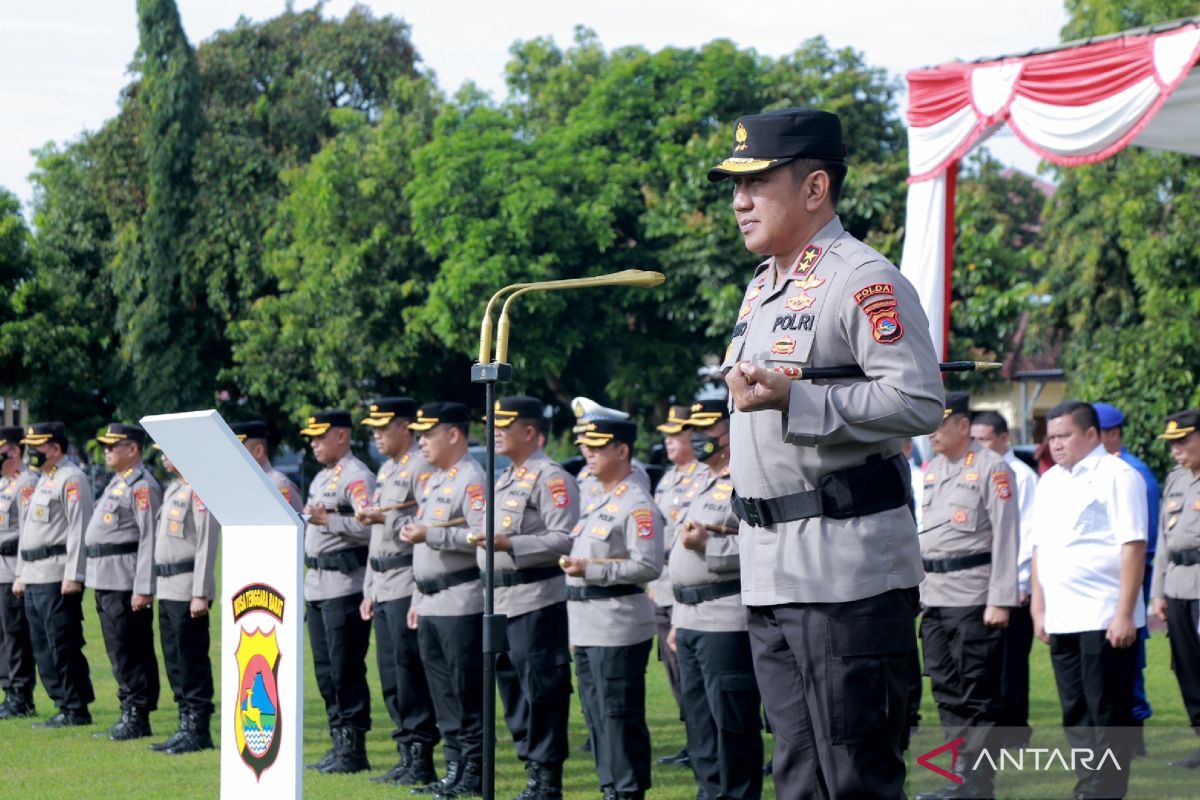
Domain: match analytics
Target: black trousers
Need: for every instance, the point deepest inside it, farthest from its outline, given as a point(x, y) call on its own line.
point(670, 661)
point(964, 659)
point(16, 650)
point(129, 639)
point(1094, 688)
point(185, 654)
point(1014, 677)
point(834, 681)
point(612, 689)
point(340, 637)
point(401, 675)
point(534, 678)
point(1185, 654)
point(724, 740)
point(452, 652)
point(56, 634)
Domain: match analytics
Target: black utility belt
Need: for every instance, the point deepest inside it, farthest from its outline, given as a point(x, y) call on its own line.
point(444, 582)
point(692, 595)
point(177, 568)
point(103, 550)
point(956, 563)
point(517, 577)
point(878, 485)
point(1185, 558)
point(391, 562)
point(8, 548)
point(44, 552)
point(348, 560)
point(602, 592)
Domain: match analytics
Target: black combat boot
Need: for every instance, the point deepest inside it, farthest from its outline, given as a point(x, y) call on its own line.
point(549, 782)
point(469, 784)
point(197, 737)
point(350, 752)
point(530, 792)
point(399, 773)
point(16, 706)
point(438, 787)
point(420, 765)
point(66, 719)
point(173, 740)
point(327, 757)
point(134, 724)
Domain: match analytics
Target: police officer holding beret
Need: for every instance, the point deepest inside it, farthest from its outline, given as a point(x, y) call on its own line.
point(829, 553)
point(17, 483)
point(120, 567)
point(335, 552)
point(254, 436)
point(51, 566)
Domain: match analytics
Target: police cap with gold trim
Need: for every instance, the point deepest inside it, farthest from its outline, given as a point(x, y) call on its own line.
point(320, 423)
point(706, 413)
point(11, 435)
point(766, 141)
point(601, 432)
point(118, 432)
point(432, 414)
point(382, 411)
point(677, 417)
point(957, 403)
point(42, 432)
point(510, 409)
point(254, 429)
point(1180, 424)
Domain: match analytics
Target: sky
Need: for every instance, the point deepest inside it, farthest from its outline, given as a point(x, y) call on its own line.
point(63, 62)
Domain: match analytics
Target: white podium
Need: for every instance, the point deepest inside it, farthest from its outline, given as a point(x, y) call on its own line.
point(261, 605)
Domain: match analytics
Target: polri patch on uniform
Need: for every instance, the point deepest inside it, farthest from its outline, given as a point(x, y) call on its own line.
point(141, 498)
point(1003, 486)
point(886, 327)
point(475, 496)
point(558, 492)
point(871, 290)
point(198, 504)
point(26, 493)
point(783, 346)
point(644, 518)
point(72, 490)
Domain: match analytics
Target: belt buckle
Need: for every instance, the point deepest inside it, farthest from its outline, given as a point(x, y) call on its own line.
point(756, 512)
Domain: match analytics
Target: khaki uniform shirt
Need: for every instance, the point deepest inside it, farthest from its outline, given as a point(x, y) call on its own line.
point(620, 524)
point(673, 495)
point(842, 303)
point(970, 506)
point(452, 508)
point(398, 484)
point(1178, 529)
point(718, 563)
point(187, 531)
point(125, 514)
point(537, 504)
point(57, 514)
point(15, 494)
point(289, 490)
point(348, 485)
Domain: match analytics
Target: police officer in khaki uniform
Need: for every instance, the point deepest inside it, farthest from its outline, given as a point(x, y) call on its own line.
point(587, 410)
point(617, 550)
point(1175, 587)
point(388, 589)
point(449, 598)
point(335, 552)
point(716, 668)
point(673, 494)
point(537, 505)
point(254, 436)
point(185, 558)
point(17, 484)
point(830, 559)
point(970, 543)
point(120, 568)
point(51, 566)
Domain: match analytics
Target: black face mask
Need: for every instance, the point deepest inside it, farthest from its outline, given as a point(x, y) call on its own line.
point(705, 446)
point(37, 459)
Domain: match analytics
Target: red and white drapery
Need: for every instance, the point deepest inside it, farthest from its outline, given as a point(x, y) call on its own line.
point(1073, 106)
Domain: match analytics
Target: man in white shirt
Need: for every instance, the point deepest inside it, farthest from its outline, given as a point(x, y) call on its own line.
point(1089, 546)
point(990, 429)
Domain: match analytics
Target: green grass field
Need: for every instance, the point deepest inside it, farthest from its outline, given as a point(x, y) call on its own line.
point(74, 764)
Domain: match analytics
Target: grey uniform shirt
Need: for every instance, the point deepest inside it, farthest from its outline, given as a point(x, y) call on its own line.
point(57, 514)
point(588, 485)
point(620, 524)
point(718, 563)
point(398, 484)
point(1178, 529)
point(537, 504)
point(673, 495)
point(289, 490)
point(15, 494)
point(452, 508)
point(187, 531)
point(343, 489)
point(125, 514)
point(842, 303)
point(970, 506)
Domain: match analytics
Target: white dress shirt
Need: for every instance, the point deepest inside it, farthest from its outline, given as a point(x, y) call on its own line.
point(1081, 519)
point(1027, 481)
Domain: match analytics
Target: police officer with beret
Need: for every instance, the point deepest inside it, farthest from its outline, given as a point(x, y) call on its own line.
point(185, 560)
point(254, 436)
point(970, 543)
point(617, 550)
point(120, 567)
point(537, 505)
point(17, 482)
point(673, 494)
point(1175, 587)
point(335, 552)
point(51, 567)
point(388, 589)
point(716, 668)
point(447, 608)
point(829, 551)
